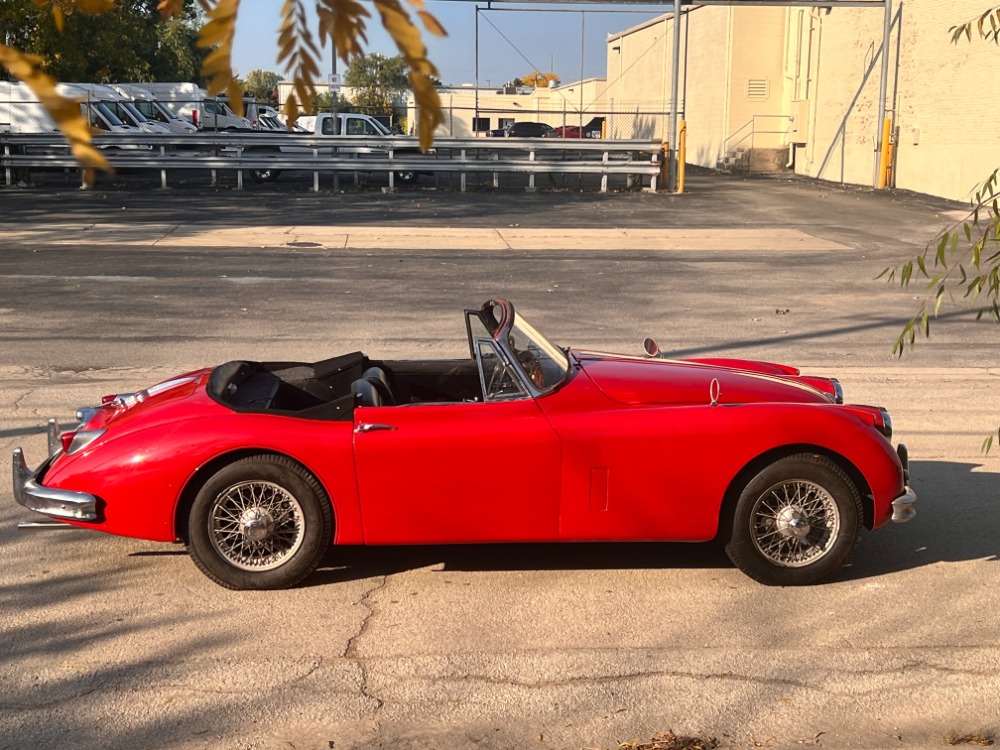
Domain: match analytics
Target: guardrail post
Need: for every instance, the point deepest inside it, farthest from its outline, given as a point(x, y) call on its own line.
point(462, 176)
point(665, 165)
point(9, 172)
point(392, 173)
point(163, 172)
point(604, 177)
point(316, 173)
point(531, 175)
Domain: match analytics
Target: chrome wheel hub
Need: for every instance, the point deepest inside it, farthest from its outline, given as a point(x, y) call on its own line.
point(256, 525)
point(794, 523)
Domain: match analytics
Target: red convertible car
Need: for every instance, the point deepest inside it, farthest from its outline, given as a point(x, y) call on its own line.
point(258, 467)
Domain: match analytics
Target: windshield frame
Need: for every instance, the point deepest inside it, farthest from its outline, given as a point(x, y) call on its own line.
point(528, 351)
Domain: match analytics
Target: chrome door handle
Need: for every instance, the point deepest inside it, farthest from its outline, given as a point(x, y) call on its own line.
point(368, 427)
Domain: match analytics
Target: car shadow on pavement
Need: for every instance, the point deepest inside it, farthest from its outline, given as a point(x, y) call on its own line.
point(956, 521)
point(353, 563)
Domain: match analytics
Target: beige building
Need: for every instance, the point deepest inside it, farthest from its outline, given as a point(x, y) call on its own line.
point(769, 87)
point(470, 112)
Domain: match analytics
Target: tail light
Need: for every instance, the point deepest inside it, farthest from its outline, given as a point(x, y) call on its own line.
point(195, 115)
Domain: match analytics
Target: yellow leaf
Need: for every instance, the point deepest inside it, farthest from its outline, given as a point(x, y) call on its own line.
point(93, 7)
point(343, 22)
point(64, 111)
point(407, 37)
point(431, 23)
point(217, 66)
point(170, 8)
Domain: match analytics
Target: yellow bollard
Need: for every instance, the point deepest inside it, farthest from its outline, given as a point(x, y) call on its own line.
point(681, 153)
point(885, 155)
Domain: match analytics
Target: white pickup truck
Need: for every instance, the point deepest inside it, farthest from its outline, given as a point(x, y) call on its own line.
point(364, 128)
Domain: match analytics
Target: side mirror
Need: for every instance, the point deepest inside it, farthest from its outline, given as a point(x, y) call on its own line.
point(651, 347)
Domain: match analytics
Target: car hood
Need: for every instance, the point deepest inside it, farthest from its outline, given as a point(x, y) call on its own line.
point(641, 380)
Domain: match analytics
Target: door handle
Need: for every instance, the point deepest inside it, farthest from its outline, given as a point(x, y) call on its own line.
point(369, 427)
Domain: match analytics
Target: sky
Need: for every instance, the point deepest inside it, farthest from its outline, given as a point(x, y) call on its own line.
point(538, 37)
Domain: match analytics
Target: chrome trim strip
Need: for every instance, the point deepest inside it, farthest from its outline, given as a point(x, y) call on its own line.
point(78, 506)
point(902, 507)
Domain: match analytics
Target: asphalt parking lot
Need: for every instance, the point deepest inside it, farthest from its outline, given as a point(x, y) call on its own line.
point(116, 643)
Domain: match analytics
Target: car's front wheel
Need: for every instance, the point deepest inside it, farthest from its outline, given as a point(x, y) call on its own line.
point(796, 522)
point(261, 522)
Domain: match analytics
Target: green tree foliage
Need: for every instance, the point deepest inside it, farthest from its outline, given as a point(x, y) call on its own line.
point(262, 85)
point(964, 259)
point(89, 48)
point(379, 82)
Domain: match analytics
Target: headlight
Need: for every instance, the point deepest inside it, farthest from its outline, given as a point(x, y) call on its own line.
point(838, 391)
point(886, 423)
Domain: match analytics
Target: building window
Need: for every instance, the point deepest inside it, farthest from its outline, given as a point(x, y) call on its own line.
point(505, 121)
point(480, 124)
point(757, 89)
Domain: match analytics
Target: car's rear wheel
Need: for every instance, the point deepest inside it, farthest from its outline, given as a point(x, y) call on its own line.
point(261, 522)
point(796, 522)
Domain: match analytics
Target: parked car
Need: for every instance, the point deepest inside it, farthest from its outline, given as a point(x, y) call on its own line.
point(258, 467)
point(592, 129)
point(521, 130)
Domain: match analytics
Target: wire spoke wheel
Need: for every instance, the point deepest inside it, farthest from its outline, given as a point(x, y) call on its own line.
point(256, 525)
point(261, 522)
point(794, 523)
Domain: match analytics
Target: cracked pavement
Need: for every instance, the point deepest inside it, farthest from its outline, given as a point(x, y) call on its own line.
point(115, 643)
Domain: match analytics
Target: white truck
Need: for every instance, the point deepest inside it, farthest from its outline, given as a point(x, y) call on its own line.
point(144, 101)
point(121, 106)
point(190, 101)
point(21, 112)
point(364, 128)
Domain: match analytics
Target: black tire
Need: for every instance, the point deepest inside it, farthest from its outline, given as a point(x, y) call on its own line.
point(796, 522)
point(262, 522)
point(263, 175)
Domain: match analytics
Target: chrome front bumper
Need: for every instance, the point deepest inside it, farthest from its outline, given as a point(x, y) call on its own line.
point(77, 506)
point(902, 507)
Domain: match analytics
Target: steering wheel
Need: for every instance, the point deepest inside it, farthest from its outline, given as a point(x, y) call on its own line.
point(532, 368)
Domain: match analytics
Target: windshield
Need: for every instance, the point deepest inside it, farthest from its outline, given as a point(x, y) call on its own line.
point(110, 116)
point(131, 109)
point(544, 363)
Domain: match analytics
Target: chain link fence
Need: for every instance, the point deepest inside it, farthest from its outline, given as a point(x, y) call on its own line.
point(472, 122)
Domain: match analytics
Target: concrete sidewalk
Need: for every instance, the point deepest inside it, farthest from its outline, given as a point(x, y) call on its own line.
point(417, 237)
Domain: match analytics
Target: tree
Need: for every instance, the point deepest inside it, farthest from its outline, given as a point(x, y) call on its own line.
point(88, 48)
point(378, 82)
point(340, 22)
point(539, 80)
point(964, 258)
point(261, 84)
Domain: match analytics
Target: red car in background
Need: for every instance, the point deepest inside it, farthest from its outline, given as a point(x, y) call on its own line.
point(258, 467)
point(593, 129)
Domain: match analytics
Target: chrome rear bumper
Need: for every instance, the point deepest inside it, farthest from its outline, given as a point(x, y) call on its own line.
point(77, 506)
point(902, 507)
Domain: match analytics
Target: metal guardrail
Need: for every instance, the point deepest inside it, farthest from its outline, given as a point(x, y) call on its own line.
point(242, 152)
